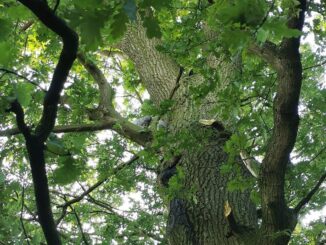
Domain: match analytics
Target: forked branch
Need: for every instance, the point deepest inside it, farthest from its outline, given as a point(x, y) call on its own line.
point(35, 140)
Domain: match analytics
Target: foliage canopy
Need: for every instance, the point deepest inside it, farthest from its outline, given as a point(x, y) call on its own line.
point(97, 163)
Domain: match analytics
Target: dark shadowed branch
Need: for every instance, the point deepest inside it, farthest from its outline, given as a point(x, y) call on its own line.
point(66, 59)
point(314, 66)
point(35, 140)
point(285, 59)
point(20, 118)
point(307, 198)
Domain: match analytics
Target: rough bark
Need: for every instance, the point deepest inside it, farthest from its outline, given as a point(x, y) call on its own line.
point(158, 71)
point(278, 220)
point(201, 221)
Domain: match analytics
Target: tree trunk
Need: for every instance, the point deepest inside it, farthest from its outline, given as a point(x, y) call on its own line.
point(197, 216)
point(200, 219)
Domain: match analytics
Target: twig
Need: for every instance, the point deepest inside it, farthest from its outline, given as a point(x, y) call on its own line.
point(21, 216)
point(97, 184)
point(23, 77)
point(307, 198)
point(85, 193)
point(79, 225)
point(56, 6)
point(63, 214)
point(177, 83)
point(265, 17)
point(316, 156)
point(313, 66)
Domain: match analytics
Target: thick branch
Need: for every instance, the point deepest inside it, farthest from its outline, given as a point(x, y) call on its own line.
point(66, 59)
point(127, 129)
point(307, 198)
point(35, 142)
point(19, 112)
point(106, 109)
point(105, 90)
point(276, 216)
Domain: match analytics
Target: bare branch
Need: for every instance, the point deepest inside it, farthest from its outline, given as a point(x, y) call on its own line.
point(106, 109)
point(23, 77)
point(21, 216)
point(56, 6)
point(63, 214)
point(313, 66)
point(97, 184)
point(79, 225)
point(125, 128)
point(35, 141)
point(26, 25)
point(105, 90)
point(307, 198)
point(20, 118)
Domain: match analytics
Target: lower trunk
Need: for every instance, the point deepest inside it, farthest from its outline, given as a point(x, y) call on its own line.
point(196, 213)
point(199, 219)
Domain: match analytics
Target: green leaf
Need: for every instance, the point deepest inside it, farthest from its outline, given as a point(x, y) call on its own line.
point(148, 108)
point(262, 35)
point(152, 27)
point(277, 30)
point(235, 40)
point(118, 27)
point(56, 146)
point(2, 178)
point(4, 29)
point(68, 172)
point(157, 4)
point(18, 12)
point(244, 12)
point(91, 32)
point(24, 93)
point(165, 106)
point(6, 54)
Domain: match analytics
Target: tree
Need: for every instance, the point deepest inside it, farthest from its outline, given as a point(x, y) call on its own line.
point(216, 151)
